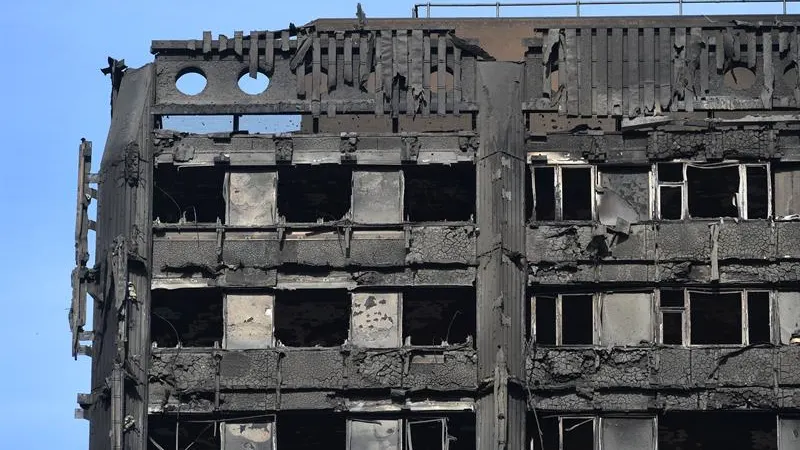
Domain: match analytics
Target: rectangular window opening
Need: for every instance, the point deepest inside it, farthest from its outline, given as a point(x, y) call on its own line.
point(713, 191)
point(716, 318)
point(198, 124)
point(545, 184)
point(247, 435)
point(439, 316)
point(576, 185)
point(228, 123)
point(670, 172)
point(672, 328)
point(200, 435)
point(545, 320)
point(671, 298)
point(758, 317)
point(269, 123)
point(427, 433)
point(438, 193)
point(577, 433)
point(757, 192)
point(577, 320)
point(188, 195)
point(543, 431)
point(312, 194)
point(311, 430)
point(186, 317)
point(717, 430)
point(670, 202)
point(312, 317)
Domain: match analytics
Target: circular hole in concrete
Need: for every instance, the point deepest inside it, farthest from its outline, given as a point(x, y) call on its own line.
point(739, 78)
point(191, 81)
point(790, 75)
point(253, 86)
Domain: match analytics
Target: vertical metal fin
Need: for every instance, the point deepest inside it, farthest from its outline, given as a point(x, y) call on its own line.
point(269, 52)
point(416, 83)
point(751, 49)
point(441, 74)
point(401, 73)
point(648, 70)
point(769, 74)
point(316, 76)
point(426, 74)
point(252, 54)
point(456, 80)
point(601, 72)
point(332, 74)
point(664, 68)
point(348, 59)
point(285, 38)
point(634, 108)
point(681, 81)
point(237, 43)
point(615, 51)
point(697, 39)
point(571, 80)
point(387, 65)
point(585, 72)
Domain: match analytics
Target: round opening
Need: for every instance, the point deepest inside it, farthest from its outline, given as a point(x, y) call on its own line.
point(740, 78)
point(191, 82)
point(253, 86)
point(790, 75)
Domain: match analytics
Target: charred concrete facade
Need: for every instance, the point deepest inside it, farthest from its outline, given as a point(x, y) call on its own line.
point(509, 233)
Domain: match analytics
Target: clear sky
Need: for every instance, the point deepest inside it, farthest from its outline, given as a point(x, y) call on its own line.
point(55, 95)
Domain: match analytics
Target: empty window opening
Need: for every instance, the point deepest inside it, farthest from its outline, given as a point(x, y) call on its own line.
point(671, 202)
point(716, 317)
point(563, 193)
point(672, 328)
point(191, 81)
point(758, 317)
point(435, 193)
point(545, 193)
point(715, 430)
point(564, 319)
point(438, 316)
point(670, 172)
point(712, 192)
point(546, 320)
point(787, 189)
point(312, 194)
point(757, 192)
point(577, 319)
point(543, 431)
point(576, 184)
point(671, 298)
point(312, 317)
point(420, 432)
point(186, 317)
point(198, 124)
point(197, 432)
point(311, 430)
point(528, 193)
point(565, 433)
point(188, 195)
point(268, 124)
point(250, 436)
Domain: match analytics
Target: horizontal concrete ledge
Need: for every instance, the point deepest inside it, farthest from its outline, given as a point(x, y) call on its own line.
point(186, 251)
point(184, 149)
point(336, 369)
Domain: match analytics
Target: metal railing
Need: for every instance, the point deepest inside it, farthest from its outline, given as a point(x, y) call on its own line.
point(578, 3)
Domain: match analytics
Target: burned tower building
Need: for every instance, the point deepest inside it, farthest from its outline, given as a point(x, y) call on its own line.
point(550, 234)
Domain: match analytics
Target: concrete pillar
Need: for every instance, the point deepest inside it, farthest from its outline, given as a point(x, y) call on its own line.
point(502, 270)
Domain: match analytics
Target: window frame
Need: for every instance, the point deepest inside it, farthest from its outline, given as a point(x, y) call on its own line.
point(597, 424)
point(560, 318)
point(741, 195)
point(558, 190)
point(686, 316)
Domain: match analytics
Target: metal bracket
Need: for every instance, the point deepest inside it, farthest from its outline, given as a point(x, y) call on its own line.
point(348, 147)
point(220, 237)
point(81, 274)
point(348, 238)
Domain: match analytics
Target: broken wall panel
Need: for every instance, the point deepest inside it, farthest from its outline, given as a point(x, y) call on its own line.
point(252, 436)
point(248, 321)
point(376, 320)
point(378, 196)
point(627, 319)
point(251, 198)
point(628, 433)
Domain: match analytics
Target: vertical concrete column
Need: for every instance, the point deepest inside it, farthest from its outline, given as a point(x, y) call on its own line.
point(121, 349)
point(502, 270)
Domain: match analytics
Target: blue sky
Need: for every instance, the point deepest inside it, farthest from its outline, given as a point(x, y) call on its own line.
point(55, 96)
